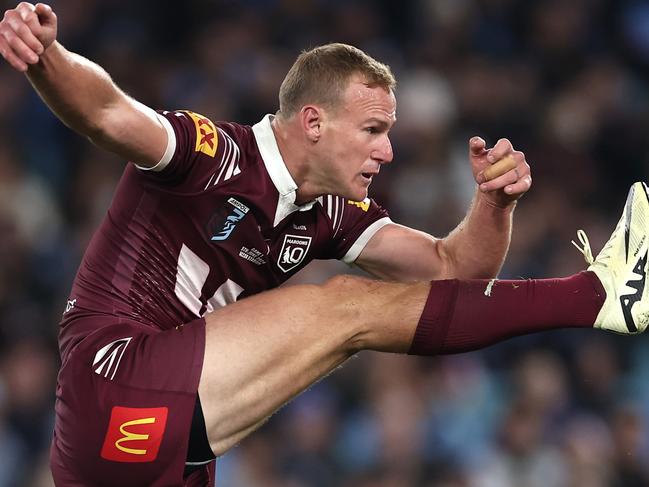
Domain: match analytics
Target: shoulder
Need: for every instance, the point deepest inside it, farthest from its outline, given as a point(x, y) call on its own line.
point(203, 153)
point(343, 213)
point(333, 209)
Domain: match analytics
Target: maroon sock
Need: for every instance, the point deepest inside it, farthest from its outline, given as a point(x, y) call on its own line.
point(459, 316)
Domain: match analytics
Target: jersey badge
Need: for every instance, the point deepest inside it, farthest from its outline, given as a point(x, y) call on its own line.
point(224, 221)
point(363, 205)
point(107, 359)
point(206, 137)
point(70, 305)
point(293, 252)
point(134, 434)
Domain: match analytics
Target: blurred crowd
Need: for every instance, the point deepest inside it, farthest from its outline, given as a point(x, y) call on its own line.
point(566, 81)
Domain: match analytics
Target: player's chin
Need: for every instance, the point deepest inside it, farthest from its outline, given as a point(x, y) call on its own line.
point(353, 192)
point(357, 189)
point(359, 194)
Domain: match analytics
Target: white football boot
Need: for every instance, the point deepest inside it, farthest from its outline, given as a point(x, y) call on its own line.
point(621, 266)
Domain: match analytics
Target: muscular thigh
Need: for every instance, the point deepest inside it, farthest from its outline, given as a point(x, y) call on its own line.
point(262, 351)
point(125, 399)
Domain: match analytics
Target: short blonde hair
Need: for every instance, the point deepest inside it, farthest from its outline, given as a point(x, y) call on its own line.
point(321, 74)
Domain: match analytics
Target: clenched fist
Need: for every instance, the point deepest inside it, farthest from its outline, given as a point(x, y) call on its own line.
point(25, 33)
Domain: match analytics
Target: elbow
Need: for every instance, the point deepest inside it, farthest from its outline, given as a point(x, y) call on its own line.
point(102, 129)
point(448, 266)
point(96, 134)
point(86, 125)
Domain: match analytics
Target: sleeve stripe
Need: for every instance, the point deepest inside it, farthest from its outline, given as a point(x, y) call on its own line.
point(209, 182)
point(234, 158)
point(228, 174)
point(229, 164)
point(342, 212)
point(358, 246)
point(226, 154)
point(169, 151)
point(337, 201)
point(230, 158)
point(335, 208)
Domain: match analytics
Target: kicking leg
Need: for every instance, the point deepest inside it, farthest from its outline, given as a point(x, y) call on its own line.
point(264, 350)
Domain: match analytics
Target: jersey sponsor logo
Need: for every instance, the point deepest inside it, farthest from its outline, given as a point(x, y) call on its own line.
point(239, 205)
point(252, 255)
point(70, 305)
point(293, 252)
point(134, 434)
point(223, 222)
point(299, 227)
point(628, 300)
point(108, 358)
point(206, 136)
point(363, 205)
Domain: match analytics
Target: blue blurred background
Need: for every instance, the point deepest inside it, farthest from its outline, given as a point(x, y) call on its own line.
point(565, 81)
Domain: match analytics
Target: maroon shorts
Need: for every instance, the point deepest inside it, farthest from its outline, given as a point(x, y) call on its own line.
point(124, 404)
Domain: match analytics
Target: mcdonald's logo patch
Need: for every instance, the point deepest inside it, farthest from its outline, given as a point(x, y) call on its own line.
point(134, 434)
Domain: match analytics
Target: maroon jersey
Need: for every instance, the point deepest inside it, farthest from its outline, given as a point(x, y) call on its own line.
point(214, 221)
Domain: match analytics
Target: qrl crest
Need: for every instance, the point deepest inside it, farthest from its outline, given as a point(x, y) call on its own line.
point(294, 250)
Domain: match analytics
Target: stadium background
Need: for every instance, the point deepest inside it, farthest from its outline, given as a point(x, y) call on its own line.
point(565, 81)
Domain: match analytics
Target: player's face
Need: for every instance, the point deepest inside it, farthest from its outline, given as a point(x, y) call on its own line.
point(356, 142)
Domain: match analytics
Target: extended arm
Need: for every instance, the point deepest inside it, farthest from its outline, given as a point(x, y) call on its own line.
point(478, 245)
point(78, 91)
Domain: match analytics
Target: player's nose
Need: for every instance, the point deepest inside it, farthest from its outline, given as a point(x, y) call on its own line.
point(383, 153)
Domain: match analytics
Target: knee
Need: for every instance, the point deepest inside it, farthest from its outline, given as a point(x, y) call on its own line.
point(345, 294)
point(346, 307)
point(345, 284)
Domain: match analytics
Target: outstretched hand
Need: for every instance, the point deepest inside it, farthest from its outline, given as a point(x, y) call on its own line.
point(25, 33)
point(500, 182)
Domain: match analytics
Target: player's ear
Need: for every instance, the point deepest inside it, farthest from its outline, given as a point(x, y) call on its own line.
point(310, 120)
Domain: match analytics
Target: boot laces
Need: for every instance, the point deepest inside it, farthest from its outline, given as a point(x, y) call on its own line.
point(585, 246)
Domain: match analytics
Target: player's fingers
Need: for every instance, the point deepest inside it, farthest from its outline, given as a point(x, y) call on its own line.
point(27, 13)
point(25, 28)
point(46, 15)
point(510, 177)
point(477, 146)
point(497, 169)
point(500, 150)
point(11, 58)
point(509, 181)
point(30, 16)
point(519, 187)
point(17, 48)
point(25, 7)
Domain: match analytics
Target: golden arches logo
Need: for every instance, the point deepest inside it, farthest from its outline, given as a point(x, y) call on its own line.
point(130, 436)
point(134, 434)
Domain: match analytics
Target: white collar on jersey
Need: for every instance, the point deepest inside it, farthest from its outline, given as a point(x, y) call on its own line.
point(277, 170)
